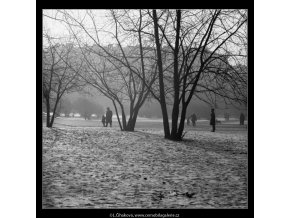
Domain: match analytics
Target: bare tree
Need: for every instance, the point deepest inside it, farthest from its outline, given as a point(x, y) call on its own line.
point(58, 77)
point(200, 43)
point(191, 52)
point(123, 72)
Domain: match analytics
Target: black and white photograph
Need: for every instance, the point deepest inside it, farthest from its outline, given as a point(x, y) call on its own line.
point(145, 109)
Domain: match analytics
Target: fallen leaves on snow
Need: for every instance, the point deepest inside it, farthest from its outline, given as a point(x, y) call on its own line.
point(107, 168)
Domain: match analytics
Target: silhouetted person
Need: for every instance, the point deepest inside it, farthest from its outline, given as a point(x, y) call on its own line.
point(109, 115)
point(104, 119)
point(212, 120)
point(242, 119)
point(193, 119)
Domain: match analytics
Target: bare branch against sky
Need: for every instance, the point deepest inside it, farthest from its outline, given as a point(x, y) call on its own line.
point(53, 22)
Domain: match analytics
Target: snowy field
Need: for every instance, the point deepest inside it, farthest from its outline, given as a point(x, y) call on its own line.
point(97, 167)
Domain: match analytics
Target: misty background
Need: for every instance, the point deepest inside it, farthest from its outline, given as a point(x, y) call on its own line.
point(150, 109)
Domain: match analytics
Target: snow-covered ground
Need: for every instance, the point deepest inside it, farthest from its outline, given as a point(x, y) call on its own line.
point(94, 167)
point(143, 123)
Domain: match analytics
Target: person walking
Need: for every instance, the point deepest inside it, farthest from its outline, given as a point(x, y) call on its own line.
point(242, 119)
point(193, 119)
point(212, 120)
point(104, 120)
point(109, 115)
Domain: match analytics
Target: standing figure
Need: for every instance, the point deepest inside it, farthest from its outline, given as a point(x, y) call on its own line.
point(193, 119)
point(242, 119)
point(104, 120)
point(212, 120)
point(109, 115)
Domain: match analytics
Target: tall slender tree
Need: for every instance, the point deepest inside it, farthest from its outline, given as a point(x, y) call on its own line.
point(200, 43)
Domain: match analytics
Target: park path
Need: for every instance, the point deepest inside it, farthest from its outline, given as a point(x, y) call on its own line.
point(107, 168)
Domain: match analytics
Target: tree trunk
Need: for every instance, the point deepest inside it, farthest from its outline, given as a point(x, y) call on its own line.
point(132, 122)
point(54, 112)
point(52, 119)
point(181, 122)
point(174, 125)
point(124, 121)
point(117, 114)
point(130, 126)
point(161, 84)
point(47, 113)
point(175, 110)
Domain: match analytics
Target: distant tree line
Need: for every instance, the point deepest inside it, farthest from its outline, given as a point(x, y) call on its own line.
point(83, 106)
point(201, 109)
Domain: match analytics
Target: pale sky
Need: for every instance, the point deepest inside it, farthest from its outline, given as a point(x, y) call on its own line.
point(59, 29)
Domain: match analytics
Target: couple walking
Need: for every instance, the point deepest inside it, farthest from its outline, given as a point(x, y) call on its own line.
point(193, 119)
point(107, 118)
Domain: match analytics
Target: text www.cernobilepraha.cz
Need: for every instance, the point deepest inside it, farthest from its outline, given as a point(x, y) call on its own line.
point(144, 215)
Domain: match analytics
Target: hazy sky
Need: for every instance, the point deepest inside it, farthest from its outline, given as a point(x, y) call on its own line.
point(59, 29)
